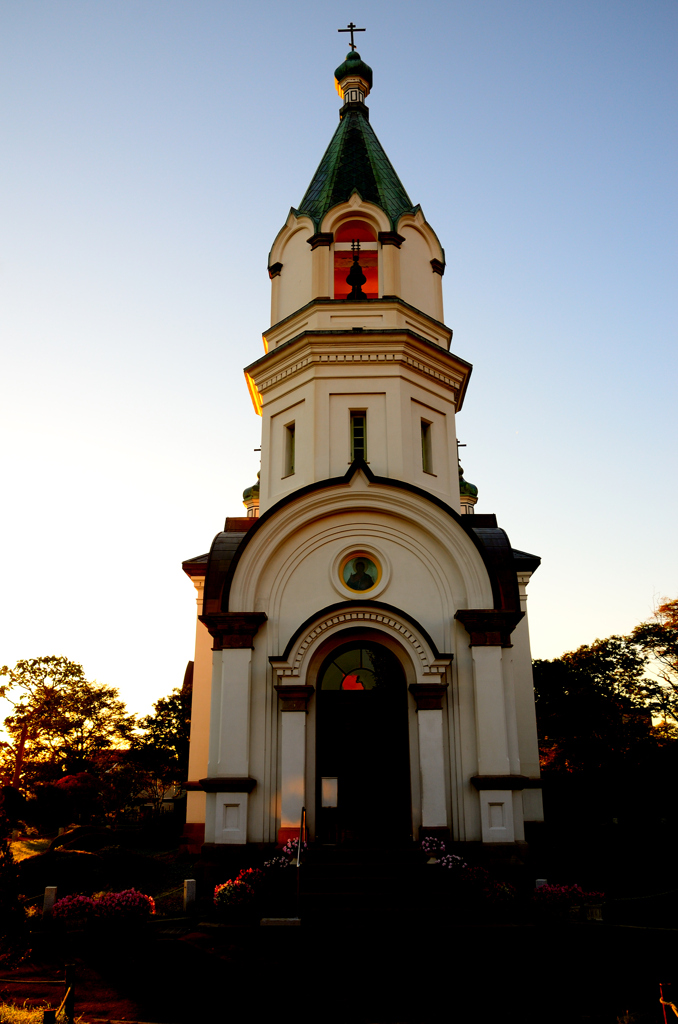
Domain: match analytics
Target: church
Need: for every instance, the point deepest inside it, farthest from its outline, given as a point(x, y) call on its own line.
point(362, 650)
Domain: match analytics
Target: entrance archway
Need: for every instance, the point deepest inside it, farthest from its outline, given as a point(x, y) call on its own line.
point(362, 747)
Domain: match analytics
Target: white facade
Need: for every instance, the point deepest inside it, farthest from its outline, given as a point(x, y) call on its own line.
point(360, 544)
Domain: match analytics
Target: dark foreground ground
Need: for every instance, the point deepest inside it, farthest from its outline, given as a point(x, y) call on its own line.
point(367, 969)
point(354, 959)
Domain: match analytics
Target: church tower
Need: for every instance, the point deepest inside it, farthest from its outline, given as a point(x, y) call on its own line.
point(362, 647)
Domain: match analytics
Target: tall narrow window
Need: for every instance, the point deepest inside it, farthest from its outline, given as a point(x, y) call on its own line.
point(426, 452)
point(358, 436)
point(289, 449)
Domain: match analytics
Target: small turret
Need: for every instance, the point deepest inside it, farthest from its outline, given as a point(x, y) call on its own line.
point(468, 494)
point(353, 79)
point(250, 499)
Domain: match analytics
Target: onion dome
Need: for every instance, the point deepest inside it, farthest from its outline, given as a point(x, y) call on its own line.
point(468, 494)
point(353, 67)
point(250, 499)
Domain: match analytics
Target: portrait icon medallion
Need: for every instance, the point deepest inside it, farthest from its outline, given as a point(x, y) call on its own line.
point(360, 572)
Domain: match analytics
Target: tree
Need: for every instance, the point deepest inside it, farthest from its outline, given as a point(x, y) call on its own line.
point(591, 705)
point(602, 758)
point(59, 720)
point(658, 640)
point(162, 747)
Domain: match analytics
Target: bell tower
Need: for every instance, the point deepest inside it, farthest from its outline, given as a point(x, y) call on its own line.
point(358, 361)
point(361, 548)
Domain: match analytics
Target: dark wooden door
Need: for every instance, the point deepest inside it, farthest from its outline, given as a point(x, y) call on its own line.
point(363, 743)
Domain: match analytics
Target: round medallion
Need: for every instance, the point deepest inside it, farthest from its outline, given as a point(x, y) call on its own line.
point(360, 572)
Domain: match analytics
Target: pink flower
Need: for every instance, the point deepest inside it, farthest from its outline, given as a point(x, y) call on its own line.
point(74, 907)
point(130, 904)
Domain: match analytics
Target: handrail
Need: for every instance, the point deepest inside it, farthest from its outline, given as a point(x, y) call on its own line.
point(302, 833)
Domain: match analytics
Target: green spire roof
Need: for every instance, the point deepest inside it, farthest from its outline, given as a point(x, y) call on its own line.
point(355, 162)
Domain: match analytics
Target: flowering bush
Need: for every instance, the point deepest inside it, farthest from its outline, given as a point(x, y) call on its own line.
point(278, 862)
point(564, 896)
point(452, 862)
point(74, 907)
point(501, 892)
point(291, 846)
point(234, 893)
point(130, 905)
point(252, 876)
point(431, 846)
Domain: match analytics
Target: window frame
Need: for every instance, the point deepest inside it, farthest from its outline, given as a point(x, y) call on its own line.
point(354, 414)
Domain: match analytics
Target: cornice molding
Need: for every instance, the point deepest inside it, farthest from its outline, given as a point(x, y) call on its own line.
point(428, 696)
point(344, 304)
point(233, 630)
point(391, 238)
point(488, 627)
point(293, 696)
point(515, 782)
point(363, 350)
point(320, 238)
point(231, 784)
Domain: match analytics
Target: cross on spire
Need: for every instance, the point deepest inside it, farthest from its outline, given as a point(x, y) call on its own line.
point(351, 28)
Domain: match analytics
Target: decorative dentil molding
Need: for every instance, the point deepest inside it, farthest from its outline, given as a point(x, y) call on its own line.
point(290, 670)
point(365, 356)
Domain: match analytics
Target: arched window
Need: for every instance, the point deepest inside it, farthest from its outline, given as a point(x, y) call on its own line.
point(348, 232)
point(359, 667)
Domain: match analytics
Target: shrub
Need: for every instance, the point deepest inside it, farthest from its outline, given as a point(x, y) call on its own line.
point(234, 893)
point(278, 862)
point(452, 862)
point(129, 905)
point(254, 877)
point(564, 896)
point(76, 907)
point(501, 892)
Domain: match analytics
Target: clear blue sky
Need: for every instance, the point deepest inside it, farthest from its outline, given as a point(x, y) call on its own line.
point(152, 151)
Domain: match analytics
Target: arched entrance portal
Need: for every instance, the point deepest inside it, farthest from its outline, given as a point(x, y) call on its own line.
point(362, 756)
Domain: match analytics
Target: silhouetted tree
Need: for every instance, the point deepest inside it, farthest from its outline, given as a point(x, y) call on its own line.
point(59, 720)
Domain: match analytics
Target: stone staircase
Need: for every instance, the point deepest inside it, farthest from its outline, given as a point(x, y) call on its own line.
point(341, 881)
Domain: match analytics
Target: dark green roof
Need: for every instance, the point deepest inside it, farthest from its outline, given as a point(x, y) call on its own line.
point(355, 161)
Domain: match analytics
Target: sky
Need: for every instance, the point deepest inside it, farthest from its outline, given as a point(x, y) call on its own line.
point(151, 152)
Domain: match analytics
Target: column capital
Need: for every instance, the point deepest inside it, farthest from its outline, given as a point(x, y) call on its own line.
point(233, 629)
point(320, 238)
point(294, 696)
point(391, 238)
point(428, 696)
point(488, 627)
point(222, 784)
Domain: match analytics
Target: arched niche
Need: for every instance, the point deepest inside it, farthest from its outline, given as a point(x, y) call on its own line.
point(421, 264)
point(359, 233)
point(291, 268)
